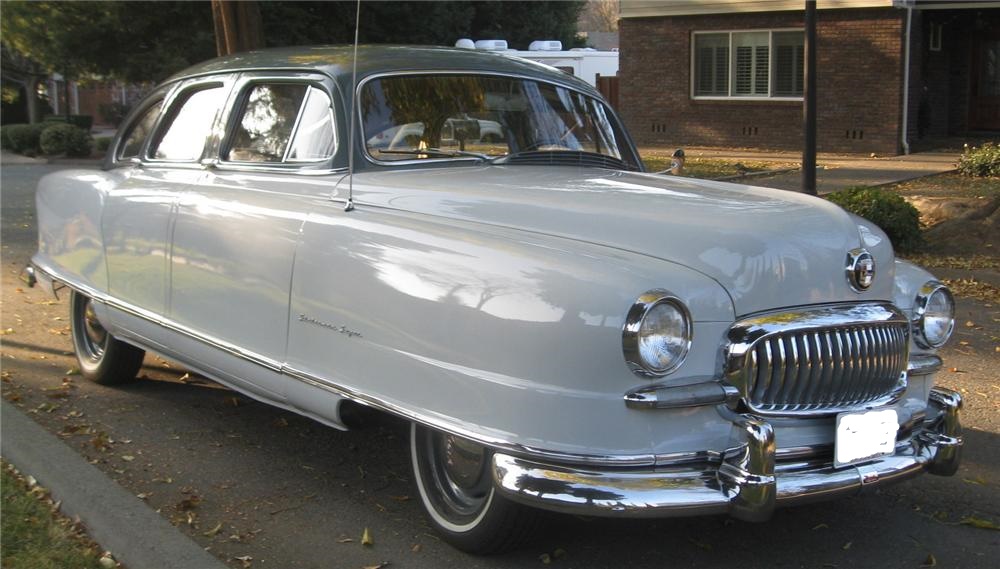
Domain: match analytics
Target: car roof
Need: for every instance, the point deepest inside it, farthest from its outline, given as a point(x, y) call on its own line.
point(336, 62)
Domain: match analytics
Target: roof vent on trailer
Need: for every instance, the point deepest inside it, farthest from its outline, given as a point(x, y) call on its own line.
point(465, 43)
point(545, 45)
point(492, 45)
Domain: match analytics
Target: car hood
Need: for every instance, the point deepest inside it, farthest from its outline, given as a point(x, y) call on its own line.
point(768, 248)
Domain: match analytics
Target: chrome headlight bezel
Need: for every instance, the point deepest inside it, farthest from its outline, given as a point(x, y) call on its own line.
point(632, 333)
point(922, 301)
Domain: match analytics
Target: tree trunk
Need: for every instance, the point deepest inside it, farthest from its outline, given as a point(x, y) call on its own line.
point(238, 26)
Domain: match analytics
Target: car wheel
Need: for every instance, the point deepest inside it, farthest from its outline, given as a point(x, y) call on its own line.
point(455, 482)
point(102, 358)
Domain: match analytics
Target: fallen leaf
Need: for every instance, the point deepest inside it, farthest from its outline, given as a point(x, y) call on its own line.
point(416, 548)
point(107, 562)
point(977, 480)
point(545, 558)
point(7, 332)
point(979, 523)
point(366, 538)
point(73, 371)
point(378, 566)
point(400, 498)
point(191, 517)
point(246, 560)
point(212, 532)
point(188, 503)
point(931, 561)
point(820, 526)
point(144, 495)
point(233, 401)
point(345, 540)
point(970, 324)
point(847, 545)
point(128, 457)
point(280, 422)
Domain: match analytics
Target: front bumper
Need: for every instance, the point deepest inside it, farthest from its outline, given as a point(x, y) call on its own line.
point(747, 484)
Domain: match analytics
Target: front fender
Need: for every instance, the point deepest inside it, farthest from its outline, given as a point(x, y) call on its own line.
point(70, 204)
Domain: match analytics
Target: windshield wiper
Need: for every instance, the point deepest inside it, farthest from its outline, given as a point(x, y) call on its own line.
point(438, 152)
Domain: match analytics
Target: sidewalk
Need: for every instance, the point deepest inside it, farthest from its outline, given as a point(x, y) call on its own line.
point(835, 171)
point(121, 523)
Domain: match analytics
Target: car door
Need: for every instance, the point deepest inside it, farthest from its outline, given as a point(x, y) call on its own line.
point(156, 158)
point(236, 229)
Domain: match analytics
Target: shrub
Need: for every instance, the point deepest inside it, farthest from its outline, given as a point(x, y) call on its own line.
point(24, 138)
point(5, 138)
point(980, 162)
point(101, 143)
point(81, 121)
point(65, 139)
point(894, 215)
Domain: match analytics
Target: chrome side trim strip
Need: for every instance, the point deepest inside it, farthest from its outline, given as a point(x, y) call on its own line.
point(613, 461)
point(924, 364)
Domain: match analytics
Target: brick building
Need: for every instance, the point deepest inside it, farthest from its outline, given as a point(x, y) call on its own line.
point(730, 72)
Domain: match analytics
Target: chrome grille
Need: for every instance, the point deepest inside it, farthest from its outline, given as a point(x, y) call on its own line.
point(821, 360)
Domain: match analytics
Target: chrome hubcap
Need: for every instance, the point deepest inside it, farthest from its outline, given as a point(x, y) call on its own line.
point(95, 337)
point(463, 461)
point(455, 474)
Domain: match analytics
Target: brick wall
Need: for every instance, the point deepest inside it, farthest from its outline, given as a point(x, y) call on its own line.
point(859, 57)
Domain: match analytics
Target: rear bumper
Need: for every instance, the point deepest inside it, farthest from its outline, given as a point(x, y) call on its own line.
point(746, 484)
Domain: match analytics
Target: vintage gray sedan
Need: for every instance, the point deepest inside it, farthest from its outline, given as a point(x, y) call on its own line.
point(469, 241)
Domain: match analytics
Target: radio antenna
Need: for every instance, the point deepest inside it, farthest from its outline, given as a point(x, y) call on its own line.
point(354, 113)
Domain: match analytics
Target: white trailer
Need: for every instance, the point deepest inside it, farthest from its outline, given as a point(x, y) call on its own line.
point(585, 63)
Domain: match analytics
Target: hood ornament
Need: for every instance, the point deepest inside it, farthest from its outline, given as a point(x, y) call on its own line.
point(860, 269)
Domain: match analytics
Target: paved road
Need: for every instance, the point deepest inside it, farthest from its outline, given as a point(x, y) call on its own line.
point(244, 479)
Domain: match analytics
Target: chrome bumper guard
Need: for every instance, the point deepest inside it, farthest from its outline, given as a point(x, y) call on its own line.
point(746, 484)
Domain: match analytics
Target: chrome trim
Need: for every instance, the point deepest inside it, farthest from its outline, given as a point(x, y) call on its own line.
point(614, 461)
point(924, 364)
point(822, 343)
point(747, 485)
point(633, 321)
point(919, 309)
point(593, 94)
point(860, 269)
point(948, 432)
point(676, 396)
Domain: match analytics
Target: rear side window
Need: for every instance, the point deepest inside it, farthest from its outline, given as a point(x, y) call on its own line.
point(282, 122)
point(183, 138)
point(139, 131)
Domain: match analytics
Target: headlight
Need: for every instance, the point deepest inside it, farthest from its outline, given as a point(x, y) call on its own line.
point(933, 315)
point(657, 334)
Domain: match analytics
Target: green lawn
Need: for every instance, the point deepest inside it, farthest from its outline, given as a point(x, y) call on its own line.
point(711, 168)
point(34, 537)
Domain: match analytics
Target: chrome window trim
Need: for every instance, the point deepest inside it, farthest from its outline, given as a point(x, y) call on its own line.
point(409, 162)
point(234, 106)
point(630, 331)
point(169, 106)
point(920, 308)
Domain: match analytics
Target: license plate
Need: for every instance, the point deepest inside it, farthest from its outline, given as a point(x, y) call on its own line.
point(863, 436)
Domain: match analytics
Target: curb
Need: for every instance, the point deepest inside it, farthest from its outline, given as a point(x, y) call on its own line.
point(121, 523)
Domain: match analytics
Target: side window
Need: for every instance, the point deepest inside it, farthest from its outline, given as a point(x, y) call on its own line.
point(184, 136)
point(282, 122)
point(138, 132)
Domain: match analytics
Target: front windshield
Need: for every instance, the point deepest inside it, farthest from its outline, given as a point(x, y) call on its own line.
point(440, 116)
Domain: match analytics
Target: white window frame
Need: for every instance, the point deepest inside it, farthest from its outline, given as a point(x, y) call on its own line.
point(732, 71)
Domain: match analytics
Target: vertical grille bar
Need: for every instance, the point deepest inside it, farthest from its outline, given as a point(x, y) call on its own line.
point(825, 368)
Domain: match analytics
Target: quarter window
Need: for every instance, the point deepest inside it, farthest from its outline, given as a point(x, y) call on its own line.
point(758, 63)
point(184, 137)
point(139, 132)
point(283, 122)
